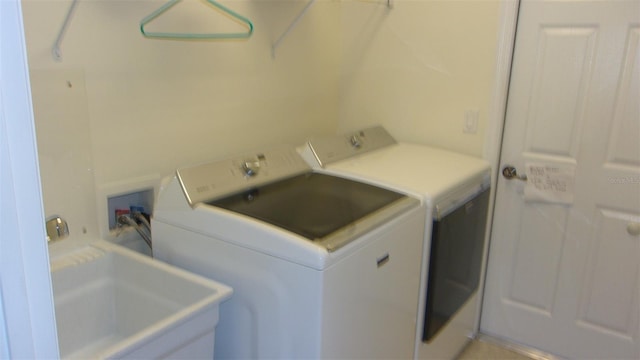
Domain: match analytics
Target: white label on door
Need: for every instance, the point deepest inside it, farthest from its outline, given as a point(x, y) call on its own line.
point(550, 183)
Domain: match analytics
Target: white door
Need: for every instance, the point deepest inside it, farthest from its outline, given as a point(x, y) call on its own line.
point(564, 277)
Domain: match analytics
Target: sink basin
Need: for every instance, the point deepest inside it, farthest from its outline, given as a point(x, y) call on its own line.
point(111, 302)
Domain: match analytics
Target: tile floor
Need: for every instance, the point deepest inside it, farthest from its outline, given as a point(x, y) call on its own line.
point(483, 350)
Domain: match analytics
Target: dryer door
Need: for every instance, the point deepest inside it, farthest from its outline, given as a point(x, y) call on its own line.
point(457, 244)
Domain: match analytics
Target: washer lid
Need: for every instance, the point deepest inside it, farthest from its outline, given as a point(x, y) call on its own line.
point(326, 209)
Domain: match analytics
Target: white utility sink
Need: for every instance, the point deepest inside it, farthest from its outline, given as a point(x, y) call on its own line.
point(111, 302)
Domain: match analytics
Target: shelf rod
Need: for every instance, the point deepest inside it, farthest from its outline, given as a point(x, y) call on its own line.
point(57, 52)
point(293, 24)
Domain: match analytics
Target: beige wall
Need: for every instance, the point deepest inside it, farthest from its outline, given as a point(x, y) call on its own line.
point(417, 68)
point(120, 111)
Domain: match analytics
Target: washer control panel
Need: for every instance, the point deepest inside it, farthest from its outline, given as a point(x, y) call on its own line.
point(221, 178)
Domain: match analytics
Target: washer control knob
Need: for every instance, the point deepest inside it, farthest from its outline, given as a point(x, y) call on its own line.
point(633, 228)
point(355, 141)
point(250, 168)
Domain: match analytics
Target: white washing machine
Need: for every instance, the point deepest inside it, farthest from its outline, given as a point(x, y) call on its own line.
point(455, 188)
point(321, 266)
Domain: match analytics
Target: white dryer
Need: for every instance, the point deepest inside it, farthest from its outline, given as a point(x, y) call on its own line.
point(321, 266)
point(455, 188)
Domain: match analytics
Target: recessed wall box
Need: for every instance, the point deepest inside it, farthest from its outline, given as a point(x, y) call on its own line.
point(139, 199)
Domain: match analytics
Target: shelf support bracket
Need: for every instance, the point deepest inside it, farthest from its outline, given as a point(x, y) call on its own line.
point(293, 25)
point(57, 52)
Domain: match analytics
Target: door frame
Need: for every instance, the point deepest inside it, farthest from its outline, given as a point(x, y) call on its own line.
point(27, 320)
point(506, 35)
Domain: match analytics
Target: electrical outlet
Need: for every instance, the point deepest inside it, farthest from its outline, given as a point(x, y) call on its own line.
point(470, 125)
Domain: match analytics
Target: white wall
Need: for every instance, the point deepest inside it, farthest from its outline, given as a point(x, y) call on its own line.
point(120, 109)
point(417, 68)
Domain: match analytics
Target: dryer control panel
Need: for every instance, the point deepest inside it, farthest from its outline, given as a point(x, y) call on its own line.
point(327, 150)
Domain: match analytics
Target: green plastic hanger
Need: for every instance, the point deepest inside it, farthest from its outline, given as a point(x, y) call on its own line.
point(188, 36)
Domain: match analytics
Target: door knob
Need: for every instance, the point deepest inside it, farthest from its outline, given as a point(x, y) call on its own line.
point(509, 172)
